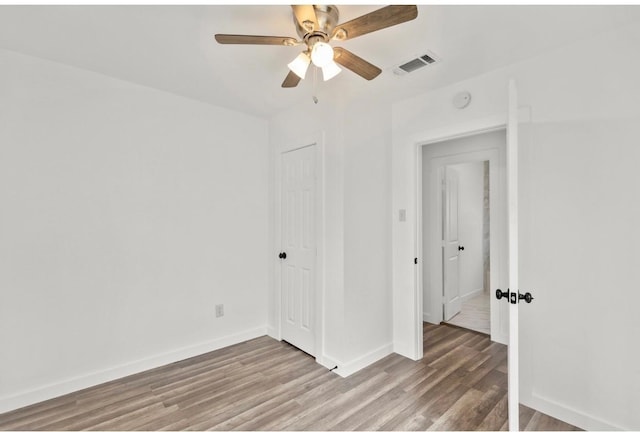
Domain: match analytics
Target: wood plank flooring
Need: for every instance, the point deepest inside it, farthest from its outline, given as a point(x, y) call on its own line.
point(263, 384)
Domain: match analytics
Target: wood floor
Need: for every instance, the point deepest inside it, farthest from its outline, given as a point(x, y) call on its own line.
point(262, 384)
point(474, 314)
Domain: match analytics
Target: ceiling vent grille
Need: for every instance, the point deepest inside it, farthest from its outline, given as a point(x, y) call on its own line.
point(416, 63)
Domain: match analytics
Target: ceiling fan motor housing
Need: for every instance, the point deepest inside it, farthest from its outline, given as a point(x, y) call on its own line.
point(327, 17)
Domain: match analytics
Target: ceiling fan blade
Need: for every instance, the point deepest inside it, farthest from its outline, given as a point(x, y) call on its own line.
point(255, 40)
point(377, 20)
point(356, 64)
point(291, 80)
point(306, 17)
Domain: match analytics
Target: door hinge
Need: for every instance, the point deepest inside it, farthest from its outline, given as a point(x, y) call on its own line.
point(415, 260)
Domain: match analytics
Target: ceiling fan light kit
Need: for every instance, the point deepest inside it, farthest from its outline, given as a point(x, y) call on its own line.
point(330, 70)
point(317, 25)
point(300, 64)
point(321, 54)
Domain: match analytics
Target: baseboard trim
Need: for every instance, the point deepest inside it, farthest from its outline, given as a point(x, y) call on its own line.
point(353, 366)
point(426, 317)
point(60, 388)
point(328, 362)
point(273, 333)
point(470, 295)
point(567, 414)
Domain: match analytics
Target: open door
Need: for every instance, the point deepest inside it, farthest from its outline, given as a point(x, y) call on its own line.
point(513, 295)
point(451, 245)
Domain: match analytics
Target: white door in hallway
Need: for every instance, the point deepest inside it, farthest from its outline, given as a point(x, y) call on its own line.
point(451, 245)
point(512, 296)
point(298, 251)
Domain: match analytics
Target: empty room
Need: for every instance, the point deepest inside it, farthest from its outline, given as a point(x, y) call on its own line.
point(317, 217)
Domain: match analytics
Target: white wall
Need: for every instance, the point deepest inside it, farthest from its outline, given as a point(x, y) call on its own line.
point(367, 266)
point(579, 209)
point(126, 214)
point(470, 201)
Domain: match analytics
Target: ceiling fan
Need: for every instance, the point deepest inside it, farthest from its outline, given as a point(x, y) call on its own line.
point(317, 25)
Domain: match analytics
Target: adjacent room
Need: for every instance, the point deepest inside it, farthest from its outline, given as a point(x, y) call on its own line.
point(314, 217)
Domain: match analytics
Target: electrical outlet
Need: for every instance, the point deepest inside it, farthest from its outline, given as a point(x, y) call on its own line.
point(219, 310)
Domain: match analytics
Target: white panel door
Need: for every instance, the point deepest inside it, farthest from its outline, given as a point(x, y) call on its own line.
point(298, 256)
point(451, 244)
point(512, 210)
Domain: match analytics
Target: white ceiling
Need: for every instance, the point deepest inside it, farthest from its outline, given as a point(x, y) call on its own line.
point(172, 47)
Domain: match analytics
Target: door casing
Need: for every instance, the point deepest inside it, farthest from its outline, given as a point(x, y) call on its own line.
point(418, 140)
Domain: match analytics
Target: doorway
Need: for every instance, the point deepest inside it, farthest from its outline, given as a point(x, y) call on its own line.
point(463, 232)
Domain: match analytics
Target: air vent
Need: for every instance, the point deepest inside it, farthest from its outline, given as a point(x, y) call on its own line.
point(416, 63)
point(412, 65)
point(427, 58)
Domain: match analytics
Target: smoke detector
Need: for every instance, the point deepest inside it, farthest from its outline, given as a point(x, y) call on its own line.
point(461, 100)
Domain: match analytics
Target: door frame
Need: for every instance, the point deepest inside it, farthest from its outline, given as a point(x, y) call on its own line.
point(497, 236)
point(316, 140)
point(458, 130)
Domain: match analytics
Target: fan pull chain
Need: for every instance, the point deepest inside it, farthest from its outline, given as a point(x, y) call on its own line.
point(315, 86)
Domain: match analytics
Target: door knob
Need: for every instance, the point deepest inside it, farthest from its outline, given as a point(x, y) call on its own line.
point(527, 297)
point(460, 248)
point(502, 294)
point(282, 255)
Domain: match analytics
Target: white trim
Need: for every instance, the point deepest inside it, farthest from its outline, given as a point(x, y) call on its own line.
point(316, 140)
point(272, 332)
point(472, 127)
point(417, 272)
point(328, 362)
point(60, 388)
point(567, 414)
point(353, 366)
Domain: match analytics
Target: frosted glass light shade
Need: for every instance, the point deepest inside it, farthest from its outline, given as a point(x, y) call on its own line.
point(321, 54)
point(330, 70)
point(300, 64)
